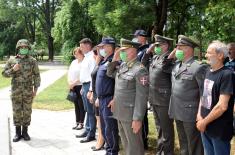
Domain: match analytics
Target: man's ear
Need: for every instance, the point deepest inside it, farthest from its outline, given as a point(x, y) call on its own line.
point(221, 56)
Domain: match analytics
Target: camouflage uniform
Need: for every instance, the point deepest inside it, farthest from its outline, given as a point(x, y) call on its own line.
point(24, 82)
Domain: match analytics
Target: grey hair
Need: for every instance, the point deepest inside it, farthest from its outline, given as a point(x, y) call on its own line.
point(219, 47)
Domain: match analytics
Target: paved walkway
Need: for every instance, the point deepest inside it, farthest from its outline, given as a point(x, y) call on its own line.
point(50, 131)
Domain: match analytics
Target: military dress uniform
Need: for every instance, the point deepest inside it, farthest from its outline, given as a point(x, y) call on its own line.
point(159, 95)
point(130, 97)
point(187, 83)
point(23, 82)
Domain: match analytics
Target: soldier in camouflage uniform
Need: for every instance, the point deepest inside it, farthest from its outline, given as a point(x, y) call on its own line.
point(24, 84)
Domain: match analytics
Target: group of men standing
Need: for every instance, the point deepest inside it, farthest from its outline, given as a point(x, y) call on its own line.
point(198, 97)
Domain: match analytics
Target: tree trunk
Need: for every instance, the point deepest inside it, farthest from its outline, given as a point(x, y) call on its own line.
point(161, 16)
point(50, 44)
point(50, 39)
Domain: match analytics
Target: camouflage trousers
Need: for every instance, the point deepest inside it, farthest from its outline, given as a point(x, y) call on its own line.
point(22, 98)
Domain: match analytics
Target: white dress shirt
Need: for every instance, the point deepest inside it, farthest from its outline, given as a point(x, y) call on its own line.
point(74, 72)
point(87, 66)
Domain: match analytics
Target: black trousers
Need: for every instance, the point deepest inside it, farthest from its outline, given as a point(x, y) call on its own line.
point(145, 130)
point(79, 109)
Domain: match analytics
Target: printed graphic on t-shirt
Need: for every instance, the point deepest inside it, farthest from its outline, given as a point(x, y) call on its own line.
point(207, 94)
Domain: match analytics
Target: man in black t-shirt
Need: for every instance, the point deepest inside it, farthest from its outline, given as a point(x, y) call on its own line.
point(215, 114)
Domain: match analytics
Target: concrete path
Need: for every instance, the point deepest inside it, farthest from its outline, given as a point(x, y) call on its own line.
point(51, 132)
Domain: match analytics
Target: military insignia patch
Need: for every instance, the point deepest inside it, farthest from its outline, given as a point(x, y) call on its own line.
point(144, 80)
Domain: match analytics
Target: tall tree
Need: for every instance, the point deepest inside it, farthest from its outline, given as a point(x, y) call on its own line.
point(46, 12)
point(72, 23)
point(161, 9)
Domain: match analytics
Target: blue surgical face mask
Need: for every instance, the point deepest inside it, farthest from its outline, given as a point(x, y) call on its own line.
point(103, 52)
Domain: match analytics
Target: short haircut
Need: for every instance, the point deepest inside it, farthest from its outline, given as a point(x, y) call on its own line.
point(86, 41)
point(77, 49)
point(219, 47)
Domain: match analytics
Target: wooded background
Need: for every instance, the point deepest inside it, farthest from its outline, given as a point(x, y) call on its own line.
point(58, 25)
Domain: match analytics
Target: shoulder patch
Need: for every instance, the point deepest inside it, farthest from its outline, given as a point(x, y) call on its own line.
point(144, 80)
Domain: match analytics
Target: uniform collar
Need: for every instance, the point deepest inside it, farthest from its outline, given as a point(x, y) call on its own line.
point(188, 62)
point(164, 54)
point(131, 63)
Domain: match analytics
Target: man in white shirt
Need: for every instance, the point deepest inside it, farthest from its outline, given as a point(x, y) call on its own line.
point(87, 67)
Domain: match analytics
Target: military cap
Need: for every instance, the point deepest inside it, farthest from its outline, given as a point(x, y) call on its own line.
point(23, 42)
point(183, 40)
point(161, 39)
point(107, 40)
point(125, 44)
point(140, 33)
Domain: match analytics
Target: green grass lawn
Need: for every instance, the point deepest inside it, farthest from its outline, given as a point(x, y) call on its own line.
point(54, 97)
point(4, 81)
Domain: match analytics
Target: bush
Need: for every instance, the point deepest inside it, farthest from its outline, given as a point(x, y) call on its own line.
point(2, 51)
point(67, 51)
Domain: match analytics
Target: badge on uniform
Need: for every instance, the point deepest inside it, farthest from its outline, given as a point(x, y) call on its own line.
point(144, 80)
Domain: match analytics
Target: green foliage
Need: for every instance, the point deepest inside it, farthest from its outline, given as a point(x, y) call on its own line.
point(220, 21)
point(75, 19)
point(72, 23)
point(120, 18)
point(67, 50)
point(2, 49)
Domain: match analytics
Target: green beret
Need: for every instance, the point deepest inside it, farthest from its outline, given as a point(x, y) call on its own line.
point(183, 40)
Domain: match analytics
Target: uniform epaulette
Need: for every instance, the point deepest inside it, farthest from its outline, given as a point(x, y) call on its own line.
point(201, 62)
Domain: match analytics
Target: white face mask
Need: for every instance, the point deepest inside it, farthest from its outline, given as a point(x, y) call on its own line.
point(102, 52)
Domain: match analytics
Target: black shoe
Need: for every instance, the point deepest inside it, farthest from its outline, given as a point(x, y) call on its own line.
point(17, 137)
point(84, 134)
point(25, 134)
point(87, 139)
point(79, 127)
point(97, 149)
point(74, 128)
point(146, 145)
